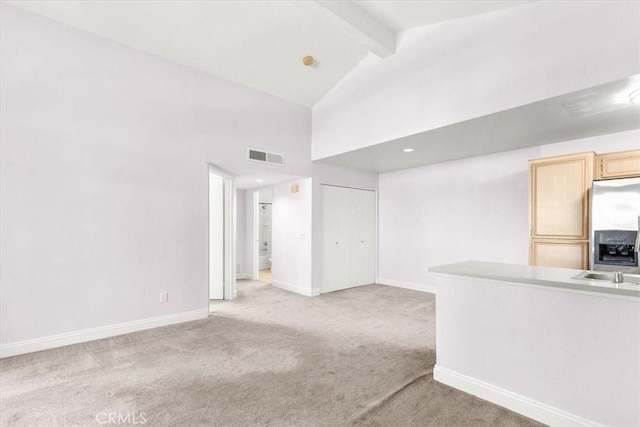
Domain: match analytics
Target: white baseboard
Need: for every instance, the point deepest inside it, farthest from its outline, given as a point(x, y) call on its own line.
point(69, 338)
point(243, 276)
point(297, 289)
point(522, 405)
point(407, 285)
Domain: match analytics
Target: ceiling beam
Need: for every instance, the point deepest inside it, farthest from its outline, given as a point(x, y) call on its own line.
point(356, 23)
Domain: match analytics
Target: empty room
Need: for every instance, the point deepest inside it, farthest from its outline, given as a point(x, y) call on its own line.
point(319, 213)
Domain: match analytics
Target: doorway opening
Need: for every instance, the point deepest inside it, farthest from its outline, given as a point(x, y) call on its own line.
point(221, 235)
point(264, 242)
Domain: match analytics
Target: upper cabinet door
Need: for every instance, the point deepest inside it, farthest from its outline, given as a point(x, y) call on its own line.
point(623, 164)
point(559, 192)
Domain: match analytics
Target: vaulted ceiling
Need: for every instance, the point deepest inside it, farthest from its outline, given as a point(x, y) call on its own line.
point(261, 44)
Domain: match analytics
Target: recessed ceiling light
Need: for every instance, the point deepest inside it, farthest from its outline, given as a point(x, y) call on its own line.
point(259, 180)
point(408, 150)
point(634, 97)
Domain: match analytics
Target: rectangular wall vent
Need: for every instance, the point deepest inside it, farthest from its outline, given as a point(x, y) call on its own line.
point(264, 157)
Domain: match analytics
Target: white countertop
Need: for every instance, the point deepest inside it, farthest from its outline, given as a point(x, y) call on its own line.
point(560, 278)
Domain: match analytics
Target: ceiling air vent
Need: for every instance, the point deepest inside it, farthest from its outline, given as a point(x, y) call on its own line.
point(264, 157)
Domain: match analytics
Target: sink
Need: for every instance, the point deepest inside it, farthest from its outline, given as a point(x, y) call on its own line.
point(607, 276)
point(596, 276)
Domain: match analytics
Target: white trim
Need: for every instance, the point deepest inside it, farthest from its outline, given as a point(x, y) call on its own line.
point(229, 202)
point(598, 291)
point(69, 338)
point(297, 289)
point(255, 237)
point(522, 405)
point(407, 285)
point(352, 21)
point(230, 238)
point(243, 276)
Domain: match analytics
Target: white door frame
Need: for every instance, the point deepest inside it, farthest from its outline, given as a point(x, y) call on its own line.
point(229, 227)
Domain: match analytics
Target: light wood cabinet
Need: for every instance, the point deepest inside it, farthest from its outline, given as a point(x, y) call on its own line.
point(559, 188)
point(559, 209)
point(618, 165)
point(562, 254)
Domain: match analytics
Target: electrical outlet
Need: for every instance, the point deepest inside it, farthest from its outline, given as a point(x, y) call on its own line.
point(164, 296)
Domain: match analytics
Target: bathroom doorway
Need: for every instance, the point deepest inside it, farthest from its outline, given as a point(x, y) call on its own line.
point(265, 236)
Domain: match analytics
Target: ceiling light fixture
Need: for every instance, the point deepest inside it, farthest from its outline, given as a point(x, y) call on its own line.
point(307, 60)
point(259, 180)
point(408, 150)
point(634, 97)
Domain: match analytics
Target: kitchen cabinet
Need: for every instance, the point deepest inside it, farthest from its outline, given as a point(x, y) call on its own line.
point(561, 254)
point(559, 202)
point(559, 209)
point(622, 164)
point(348, 256)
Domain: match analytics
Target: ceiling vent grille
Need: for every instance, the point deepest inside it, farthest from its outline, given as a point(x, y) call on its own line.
point(264, 157)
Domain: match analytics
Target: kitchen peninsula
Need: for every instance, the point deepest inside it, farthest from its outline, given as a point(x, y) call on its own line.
point(560, 350)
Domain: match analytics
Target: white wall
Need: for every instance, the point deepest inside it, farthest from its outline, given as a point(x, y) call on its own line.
point(332, 175)
point(292, 236)
point(466, 68)
point(297, 259)
point(104, 175)
point(265, 195)
point(470, 209)
point(610, 143)
point(550, 354)
point(241, 233)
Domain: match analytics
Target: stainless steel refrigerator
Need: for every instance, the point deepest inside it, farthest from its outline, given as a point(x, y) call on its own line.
point(615, 219)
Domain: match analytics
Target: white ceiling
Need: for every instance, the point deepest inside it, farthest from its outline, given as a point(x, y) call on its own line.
point(405, 14)
point(599, 110)
point(260, 44)
point(263, 179)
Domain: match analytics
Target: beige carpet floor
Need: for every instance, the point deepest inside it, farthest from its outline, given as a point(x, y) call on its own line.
point(360, 357)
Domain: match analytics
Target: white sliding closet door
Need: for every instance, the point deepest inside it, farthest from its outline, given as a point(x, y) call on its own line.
point(348, 238)
point(336, 223)
point(362, 234)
